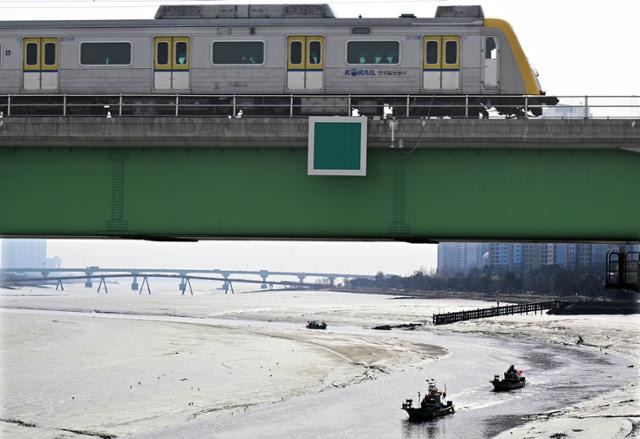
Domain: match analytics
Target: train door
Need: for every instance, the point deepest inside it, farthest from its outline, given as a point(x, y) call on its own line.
point(490, 63)
point(40, 63)
point(441, 62)
point(305, 63)
point(171, 63)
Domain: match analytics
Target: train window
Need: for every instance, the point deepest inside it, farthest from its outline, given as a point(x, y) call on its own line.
point(432, 52)
point(105, 53)
point(315, 52)
point(162, 53)
point(238, 52)
point(296, 52)
point(373, 52)
point(360, 30)
point(490, 48)
point(32, 54)
point(49, 54)
point(181, 53)
point(451, 52)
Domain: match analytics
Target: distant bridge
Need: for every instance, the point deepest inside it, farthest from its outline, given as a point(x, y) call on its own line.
point(185, 275)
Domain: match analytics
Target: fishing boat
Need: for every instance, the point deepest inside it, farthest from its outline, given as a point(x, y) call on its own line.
point(513, 379)
point(432, 405)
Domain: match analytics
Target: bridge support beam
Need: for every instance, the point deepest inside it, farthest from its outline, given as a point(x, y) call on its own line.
point(228, 285)
point(102, 282)
point(511, 184)
point(145, 281)
point(264, 274)
point(184, 282)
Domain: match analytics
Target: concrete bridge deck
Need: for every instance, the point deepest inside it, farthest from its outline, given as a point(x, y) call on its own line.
point(266, 132)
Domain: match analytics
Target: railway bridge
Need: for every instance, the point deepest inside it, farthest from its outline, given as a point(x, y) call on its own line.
point(427, 180)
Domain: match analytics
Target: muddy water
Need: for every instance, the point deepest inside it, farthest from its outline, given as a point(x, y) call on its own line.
point(557, 376)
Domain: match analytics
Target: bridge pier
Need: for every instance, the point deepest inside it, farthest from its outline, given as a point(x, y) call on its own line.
point(264, 274)
point(102, 282)
point(183, 285)
point(145, 280)
point(227, 285)
point(134, 283)
point(59, 284)
point(89, 272)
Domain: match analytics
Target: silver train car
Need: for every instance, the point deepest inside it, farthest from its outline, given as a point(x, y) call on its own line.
point(304, 50)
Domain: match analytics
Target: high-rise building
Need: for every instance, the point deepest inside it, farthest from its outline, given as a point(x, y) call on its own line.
point(583, 256)
point(523, 258)
point(572, 255)
point(561, 255)
point(548, 254)
point(473, 256)
point(459, 257)
point(451, 256)
point(24, 253)
point(533, 257)
point(505, 256)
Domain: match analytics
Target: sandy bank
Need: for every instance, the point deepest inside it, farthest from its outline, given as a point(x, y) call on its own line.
point(615, 414)
point(116, 376)
point(79, 357)
point(364, 310)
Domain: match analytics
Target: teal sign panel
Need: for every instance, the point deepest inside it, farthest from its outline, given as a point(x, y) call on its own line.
point(337, 146)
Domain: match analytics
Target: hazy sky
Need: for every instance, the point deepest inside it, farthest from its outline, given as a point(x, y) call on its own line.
point(578, 46)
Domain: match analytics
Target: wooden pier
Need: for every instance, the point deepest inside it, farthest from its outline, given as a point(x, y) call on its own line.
point(481, 313)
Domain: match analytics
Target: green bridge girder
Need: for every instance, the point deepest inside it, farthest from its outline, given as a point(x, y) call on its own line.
point(430, 194)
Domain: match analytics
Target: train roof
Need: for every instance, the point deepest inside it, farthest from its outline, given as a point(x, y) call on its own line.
point(245, 11)
point(261, 15)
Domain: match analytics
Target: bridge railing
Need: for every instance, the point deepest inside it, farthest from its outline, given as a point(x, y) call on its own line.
point(293, 105)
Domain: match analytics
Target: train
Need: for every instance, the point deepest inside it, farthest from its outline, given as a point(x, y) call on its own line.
point(458, 63)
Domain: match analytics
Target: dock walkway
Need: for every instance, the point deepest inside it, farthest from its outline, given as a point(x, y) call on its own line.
point(481, 313)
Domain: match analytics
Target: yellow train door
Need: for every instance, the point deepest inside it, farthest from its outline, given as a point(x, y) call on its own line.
point(441, 62)
point(431, 62)
point(305, 62)
point(450, 62)
point(171, 63)
point(40, 63)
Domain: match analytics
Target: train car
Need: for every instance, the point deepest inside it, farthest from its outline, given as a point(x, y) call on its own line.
point(203, 52)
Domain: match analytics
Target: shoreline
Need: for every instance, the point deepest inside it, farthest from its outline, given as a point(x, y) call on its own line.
point(612, 415)
point(344, 310)
point(339, 361)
